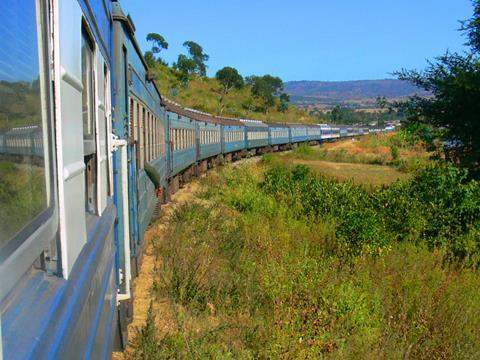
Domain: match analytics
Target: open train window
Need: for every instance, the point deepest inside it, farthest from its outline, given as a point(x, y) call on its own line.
point(88, 116)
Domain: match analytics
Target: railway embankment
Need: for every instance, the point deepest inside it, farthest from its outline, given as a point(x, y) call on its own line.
point(276, 259)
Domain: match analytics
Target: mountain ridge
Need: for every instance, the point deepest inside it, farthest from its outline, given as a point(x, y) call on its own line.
point(360, 92)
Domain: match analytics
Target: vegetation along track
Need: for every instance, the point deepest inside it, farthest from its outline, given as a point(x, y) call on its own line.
point(144, 284)
point(270, 260)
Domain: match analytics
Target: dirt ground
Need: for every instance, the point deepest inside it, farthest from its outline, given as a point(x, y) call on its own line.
point(143, 284)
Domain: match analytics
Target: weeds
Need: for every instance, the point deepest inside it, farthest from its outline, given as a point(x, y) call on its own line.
point(278, 263)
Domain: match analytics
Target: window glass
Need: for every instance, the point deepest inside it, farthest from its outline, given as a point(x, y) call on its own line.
point(24, 192)
point(87, 94)
point(89, 146)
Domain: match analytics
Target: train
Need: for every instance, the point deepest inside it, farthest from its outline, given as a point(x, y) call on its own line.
point(89, 152)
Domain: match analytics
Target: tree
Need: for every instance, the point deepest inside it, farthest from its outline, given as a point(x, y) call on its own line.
point(284, 100)
point(158, 43)
point(265, 87)
point(229, 79)
point(471, 28)
point(149, 58)
point(198, 56)
point(185, 67)
point(454, 81)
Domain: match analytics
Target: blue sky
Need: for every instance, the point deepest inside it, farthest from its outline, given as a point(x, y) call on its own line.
point(306, 39)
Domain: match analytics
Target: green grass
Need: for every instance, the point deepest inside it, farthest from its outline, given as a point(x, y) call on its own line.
point(251, 270)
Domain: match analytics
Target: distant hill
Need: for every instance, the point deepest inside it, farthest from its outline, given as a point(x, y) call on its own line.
point(361, 93)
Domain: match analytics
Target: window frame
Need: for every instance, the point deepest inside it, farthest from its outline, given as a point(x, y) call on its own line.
point(92, 150)
point(89, 144)
point(21, 250)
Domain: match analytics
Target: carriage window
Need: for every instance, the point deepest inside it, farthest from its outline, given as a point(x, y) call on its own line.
point(88, 113)
point(155, 138)
point(24, 173)
point(87, 94)
point(145, 135)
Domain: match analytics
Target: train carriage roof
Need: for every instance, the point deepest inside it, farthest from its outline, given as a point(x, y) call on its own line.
point(229, 121)
point(296, 125)
point(274, 124)
point(253, 123)
point(193, 114)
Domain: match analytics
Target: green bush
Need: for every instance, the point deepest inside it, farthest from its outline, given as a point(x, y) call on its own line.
point(395, 153)
point(438, 205)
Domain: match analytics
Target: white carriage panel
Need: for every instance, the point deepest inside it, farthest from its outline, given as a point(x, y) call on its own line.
point(71, 179)
point(101, 125)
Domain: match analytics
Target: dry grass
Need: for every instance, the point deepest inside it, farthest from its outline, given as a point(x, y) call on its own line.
point(144, 284)
point(373, 147)
point(362, 174)
point(370, 160)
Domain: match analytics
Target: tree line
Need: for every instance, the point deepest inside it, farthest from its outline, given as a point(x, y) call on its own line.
point(268, 89)
point(348, 116)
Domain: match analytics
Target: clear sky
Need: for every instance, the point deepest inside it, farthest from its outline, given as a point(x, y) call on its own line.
point(306, 39)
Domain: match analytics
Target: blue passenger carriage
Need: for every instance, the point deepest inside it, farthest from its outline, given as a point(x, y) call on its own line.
point(298, 133)
point(233, 137)
point(182, 138)
point(256, 135)
point(314, 133)
point(279, 136)
point(343, 131)
point(58, 287)
point(209, 136)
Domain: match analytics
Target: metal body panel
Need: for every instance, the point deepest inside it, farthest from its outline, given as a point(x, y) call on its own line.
point(278, 135)
point(146, 205)
point(256, 134)
point(298, 134)
point(214, 148)
point(232, 146)
point(50, 317)
point(314, 133)
point(181, 159)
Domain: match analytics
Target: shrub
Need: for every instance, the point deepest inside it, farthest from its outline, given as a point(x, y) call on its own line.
point(395, 153)
point(437, 206)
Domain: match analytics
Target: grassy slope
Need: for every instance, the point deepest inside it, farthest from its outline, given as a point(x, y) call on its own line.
point(367, 161)
point(202, 94)
point(239, 275)
point(366, 174)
